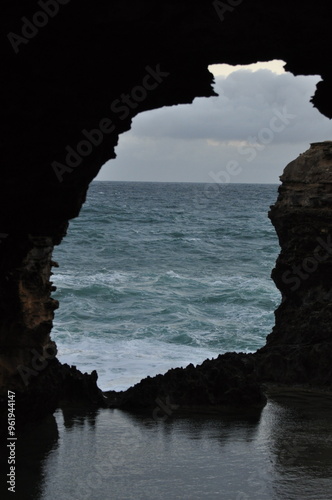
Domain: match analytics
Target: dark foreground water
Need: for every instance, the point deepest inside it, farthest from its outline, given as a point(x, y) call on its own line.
point(283, 454)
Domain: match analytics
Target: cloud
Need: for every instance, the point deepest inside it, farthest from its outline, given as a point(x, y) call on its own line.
point(276, 66)
point(242, 125)
point(247, 101)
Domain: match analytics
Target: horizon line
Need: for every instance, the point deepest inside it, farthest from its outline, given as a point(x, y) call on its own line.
point(189, 182)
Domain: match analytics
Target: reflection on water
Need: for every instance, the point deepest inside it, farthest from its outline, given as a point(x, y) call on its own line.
point(32, 452)
point(301, 442)
point(286, 453)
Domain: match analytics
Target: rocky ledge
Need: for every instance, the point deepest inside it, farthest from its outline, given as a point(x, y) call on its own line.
point(226, 383)
point(41, 388)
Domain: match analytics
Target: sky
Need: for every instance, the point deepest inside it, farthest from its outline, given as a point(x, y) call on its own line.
point(261, 120)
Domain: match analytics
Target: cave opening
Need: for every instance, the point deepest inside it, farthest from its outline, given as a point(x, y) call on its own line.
point(176, 248)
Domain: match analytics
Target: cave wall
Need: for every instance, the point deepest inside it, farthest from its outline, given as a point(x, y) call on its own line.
point(75, 73)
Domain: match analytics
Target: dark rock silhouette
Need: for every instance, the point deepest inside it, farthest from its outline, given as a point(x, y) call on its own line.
point(216, 385)
point(299, 348)
point(75, 73)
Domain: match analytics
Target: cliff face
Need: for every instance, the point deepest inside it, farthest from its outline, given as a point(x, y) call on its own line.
point(75, 74)
point(300, 347)
point(27, 313)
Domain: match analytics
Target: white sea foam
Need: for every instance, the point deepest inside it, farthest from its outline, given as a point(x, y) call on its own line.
point(124, 363)
point(105, 278)
point(142, 291)
point(172, 274)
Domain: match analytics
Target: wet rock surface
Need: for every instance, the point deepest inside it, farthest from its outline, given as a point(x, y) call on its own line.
point(39, 393)
point(217, 384)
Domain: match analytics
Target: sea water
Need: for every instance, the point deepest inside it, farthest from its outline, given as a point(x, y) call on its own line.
point(155, 276)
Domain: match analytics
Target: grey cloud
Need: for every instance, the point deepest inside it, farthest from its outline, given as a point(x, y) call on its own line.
point(186, 143)
point(247, 101)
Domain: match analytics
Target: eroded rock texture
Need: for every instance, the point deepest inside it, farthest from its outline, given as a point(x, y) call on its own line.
point(300, 347)
point(75, 73)
point(228, 382)
point(27, 308)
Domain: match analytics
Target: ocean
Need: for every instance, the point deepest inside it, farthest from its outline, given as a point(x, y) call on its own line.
point(155, 276)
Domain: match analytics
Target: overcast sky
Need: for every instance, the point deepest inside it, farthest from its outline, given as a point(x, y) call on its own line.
point(261, 120)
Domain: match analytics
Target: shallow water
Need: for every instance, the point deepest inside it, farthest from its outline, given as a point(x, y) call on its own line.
point(285, 453)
